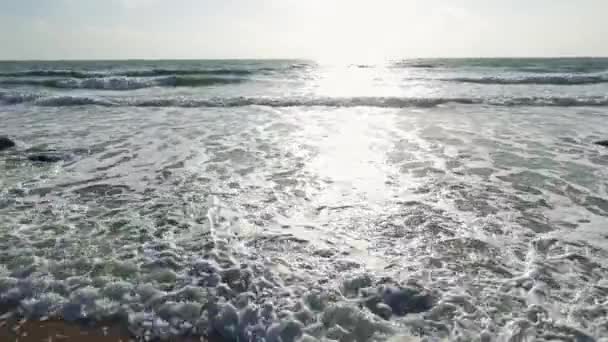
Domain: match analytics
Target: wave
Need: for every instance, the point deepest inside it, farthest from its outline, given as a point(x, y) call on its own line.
point(415, 65)
point(201, 81)
point(169, 72)
point(11, 98)
point(525, 65)
point(135, 73)
point(546, 80)
point(123, 83)
point(68, 101)
point(380, 102)
point(140, 81)
point(53, 73)
point(383, 102)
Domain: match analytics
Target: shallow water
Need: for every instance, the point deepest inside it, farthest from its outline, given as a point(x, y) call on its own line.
point(310, 201)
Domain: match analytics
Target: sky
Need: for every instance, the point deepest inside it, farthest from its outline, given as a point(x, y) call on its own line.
point(317, 29)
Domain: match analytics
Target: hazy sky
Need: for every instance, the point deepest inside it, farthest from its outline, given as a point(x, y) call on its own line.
point(333, 29)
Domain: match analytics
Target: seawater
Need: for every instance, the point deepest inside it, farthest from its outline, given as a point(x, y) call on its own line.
point(458, 200)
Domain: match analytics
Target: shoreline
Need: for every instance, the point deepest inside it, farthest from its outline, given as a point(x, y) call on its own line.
point(54, 330)
point(23, 330)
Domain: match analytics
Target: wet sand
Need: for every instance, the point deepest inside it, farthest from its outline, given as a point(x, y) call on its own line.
point(50, 331)
point(12, 330)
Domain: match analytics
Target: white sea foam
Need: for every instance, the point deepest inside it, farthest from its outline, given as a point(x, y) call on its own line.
point(11, 98)
point(123, 83)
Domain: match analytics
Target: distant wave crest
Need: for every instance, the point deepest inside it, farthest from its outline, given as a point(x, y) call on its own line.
point(132, 73)
point(143, 80)
point(380, 102)
point(124, 83)
point(545, 79)
point(52, 73)
point(169, 72)
point(66, 101)
point(526, 65)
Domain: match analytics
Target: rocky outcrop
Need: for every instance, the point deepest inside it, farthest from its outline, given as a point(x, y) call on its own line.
point(6, 143)
point(45, 158)
point(602, 143)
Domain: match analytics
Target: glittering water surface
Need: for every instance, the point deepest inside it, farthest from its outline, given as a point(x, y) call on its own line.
point(277, 201)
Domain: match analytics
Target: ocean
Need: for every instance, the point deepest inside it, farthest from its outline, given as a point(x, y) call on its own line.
point(290, 200)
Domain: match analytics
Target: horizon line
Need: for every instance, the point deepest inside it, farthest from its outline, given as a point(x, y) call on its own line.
point(287, 59)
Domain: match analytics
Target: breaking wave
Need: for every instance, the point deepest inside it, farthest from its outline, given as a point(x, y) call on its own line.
point(221, 102)
point(169, 72)
point(124, 83)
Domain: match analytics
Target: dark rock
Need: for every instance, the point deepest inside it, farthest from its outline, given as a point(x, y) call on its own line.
point(407, 300)
point(6, 143)
point(45, 158)
point(602, 143)
point(42, 148)
point(399, 301)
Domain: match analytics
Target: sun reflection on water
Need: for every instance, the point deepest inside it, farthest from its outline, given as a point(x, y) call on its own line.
point(365, 80)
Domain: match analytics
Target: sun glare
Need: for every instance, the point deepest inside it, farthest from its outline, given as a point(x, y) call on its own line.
point(354, 32)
